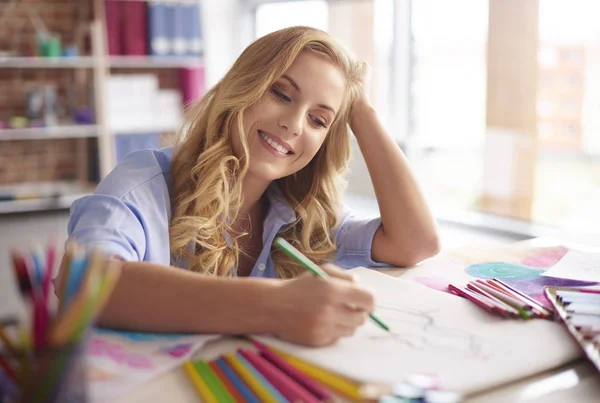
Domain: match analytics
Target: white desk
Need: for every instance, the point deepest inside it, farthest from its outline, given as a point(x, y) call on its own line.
point(574, 382)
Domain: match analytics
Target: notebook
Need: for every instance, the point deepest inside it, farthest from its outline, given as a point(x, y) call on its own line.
point(442, 335)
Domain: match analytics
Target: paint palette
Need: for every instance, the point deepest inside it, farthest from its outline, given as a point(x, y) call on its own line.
point(579, 310)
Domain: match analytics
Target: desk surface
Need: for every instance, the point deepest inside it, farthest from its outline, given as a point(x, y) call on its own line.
point(574, 382)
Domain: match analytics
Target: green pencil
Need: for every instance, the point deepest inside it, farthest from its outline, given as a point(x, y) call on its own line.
point(295, 254)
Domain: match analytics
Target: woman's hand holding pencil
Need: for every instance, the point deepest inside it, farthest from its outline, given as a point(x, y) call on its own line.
point(315, 312)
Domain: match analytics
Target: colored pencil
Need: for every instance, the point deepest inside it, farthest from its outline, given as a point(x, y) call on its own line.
point(50, 255)
point(76, 275)
point(286, 385)
point(65, 273)
point(295, 254)
point(309, 384)
point(236, 394)
point(590, 290)
point(21, 273)
point(213, 382)
point(532, 301)
point(201, 388)
point(502, 305)
point(258, 384)
point(474, 299)
point(336, 382)
point(538, 310)
point(498, 306)
point(237, 381)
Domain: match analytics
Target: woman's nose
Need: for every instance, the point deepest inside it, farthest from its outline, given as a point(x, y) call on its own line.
point(291, 122)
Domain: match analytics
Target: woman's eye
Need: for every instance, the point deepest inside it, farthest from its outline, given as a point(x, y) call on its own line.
point(281, 95)
point(318, 122)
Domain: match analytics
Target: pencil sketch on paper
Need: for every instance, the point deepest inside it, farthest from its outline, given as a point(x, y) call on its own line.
point(417, 329)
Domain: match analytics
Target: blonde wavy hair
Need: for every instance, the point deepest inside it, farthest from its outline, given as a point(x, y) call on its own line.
point(207, 176)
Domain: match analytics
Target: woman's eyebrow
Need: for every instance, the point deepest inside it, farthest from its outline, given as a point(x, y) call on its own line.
point(295, 85)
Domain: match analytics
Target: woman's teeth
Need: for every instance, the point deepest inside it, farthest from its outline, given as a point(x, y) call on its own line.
point(273, 143)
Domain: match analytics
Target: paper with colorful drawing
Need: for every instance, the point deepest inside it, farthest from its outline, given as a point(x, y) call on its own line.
point(577, 265)
point(118, 361)
point(439, 334)
point(522, 267)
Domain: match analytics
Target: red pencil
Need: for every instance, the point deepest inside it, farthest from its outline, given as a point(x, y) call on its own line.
point(294, 373)
point(8, 369)
point(227, 382)
point(590, 290)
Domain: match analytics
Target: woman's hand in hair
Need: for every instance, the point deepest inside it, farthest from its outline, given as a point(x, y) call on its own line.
point(363, 102)
point(317, 312)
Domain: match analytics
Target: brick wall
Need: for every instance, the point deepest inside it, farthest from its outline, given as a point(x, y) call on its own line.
point(48, 160)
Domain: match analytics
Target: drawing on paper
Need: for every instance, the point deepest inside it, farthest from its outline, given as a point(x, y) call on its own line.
point(417, 329)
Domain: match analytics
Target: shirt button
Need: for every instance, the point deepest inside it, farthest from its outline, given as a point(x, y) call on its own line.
point(261, 267)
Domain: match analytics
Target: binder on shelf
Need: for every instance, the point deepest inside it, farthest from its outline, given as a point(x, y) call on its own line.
point(191, 83)
point(170, 18)
point(113, 27)
point(134, 28)
point(193, 29)
point(180, 44)
point(159, 43)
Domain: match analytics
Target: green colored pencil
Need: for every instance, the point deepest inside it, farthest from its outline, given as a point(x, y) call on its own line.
point(295, 254)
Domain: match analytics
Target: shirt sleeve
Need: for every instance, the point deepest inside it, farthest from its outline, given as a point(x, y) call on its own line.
point(354, 241)
point(108, 224)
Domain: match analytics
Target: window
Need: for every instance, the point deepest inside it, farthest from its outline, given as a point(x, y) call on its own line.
point(271, 17)
point(447, 98)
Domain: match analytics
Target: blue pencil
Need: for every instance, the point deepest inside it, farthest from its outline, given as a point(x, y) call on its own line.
point(237, 382)
point(272, 391)
point(76, 274)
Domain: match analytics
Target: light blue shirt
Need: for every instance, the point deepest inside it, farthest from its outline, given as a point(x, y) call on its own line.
point(129, 215)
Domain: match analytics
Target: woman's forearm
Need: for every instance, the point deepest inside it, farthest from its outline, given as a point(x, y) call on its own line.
point(409, 232)
point(151, 297)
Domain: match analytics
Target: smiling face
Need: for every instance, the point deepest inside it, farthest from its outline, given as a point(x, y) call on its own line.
point(290, 123)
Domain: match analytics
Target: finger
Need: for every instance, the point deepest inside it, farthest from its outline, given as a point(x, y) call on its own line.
point(349, 317)
point(358, 298)
point(339, 273)
point(344, 331)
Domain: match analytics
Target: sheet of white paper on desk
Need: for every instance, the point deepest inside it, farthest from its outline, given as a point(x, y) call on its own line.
point(577, 265)
point(119, 361)
point(436, 333)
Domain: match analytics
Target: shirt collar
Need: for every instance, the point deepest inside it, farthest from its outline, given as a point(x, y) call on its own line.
point(279, 205)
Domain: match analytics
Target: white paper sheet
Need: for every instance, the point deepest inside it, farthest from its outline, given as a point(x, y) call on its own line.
point(119, 361)
point(439, 334)
point(577, 265)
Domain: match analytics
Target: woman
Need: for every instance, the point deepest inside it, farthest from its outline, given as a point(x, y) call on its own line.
point(263, 155)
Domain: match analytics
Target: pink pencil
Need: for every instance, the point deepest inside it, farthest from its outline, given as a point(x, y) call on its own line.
point(286, 385)
point(474, 299)
point(590, 290)
point(292, 372)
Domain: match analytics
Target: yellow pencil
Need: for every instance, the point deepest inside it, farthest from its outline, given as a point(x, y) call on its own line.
point(257, 387)
point(205, 394)
point(336, 382)
point(6, 341)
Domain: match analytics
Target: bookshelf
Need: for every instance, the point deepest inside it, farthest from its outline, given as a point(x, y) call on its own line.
point(54, 132)
point(95, 141)
point(46, 62)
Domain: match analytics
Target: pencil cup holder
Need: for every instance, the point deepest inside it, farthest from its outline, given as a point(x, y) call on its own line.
point(52, 375)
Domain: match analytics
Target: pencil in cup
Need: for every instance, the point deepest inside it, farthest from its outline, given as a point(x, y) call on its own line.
point(295, 254)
